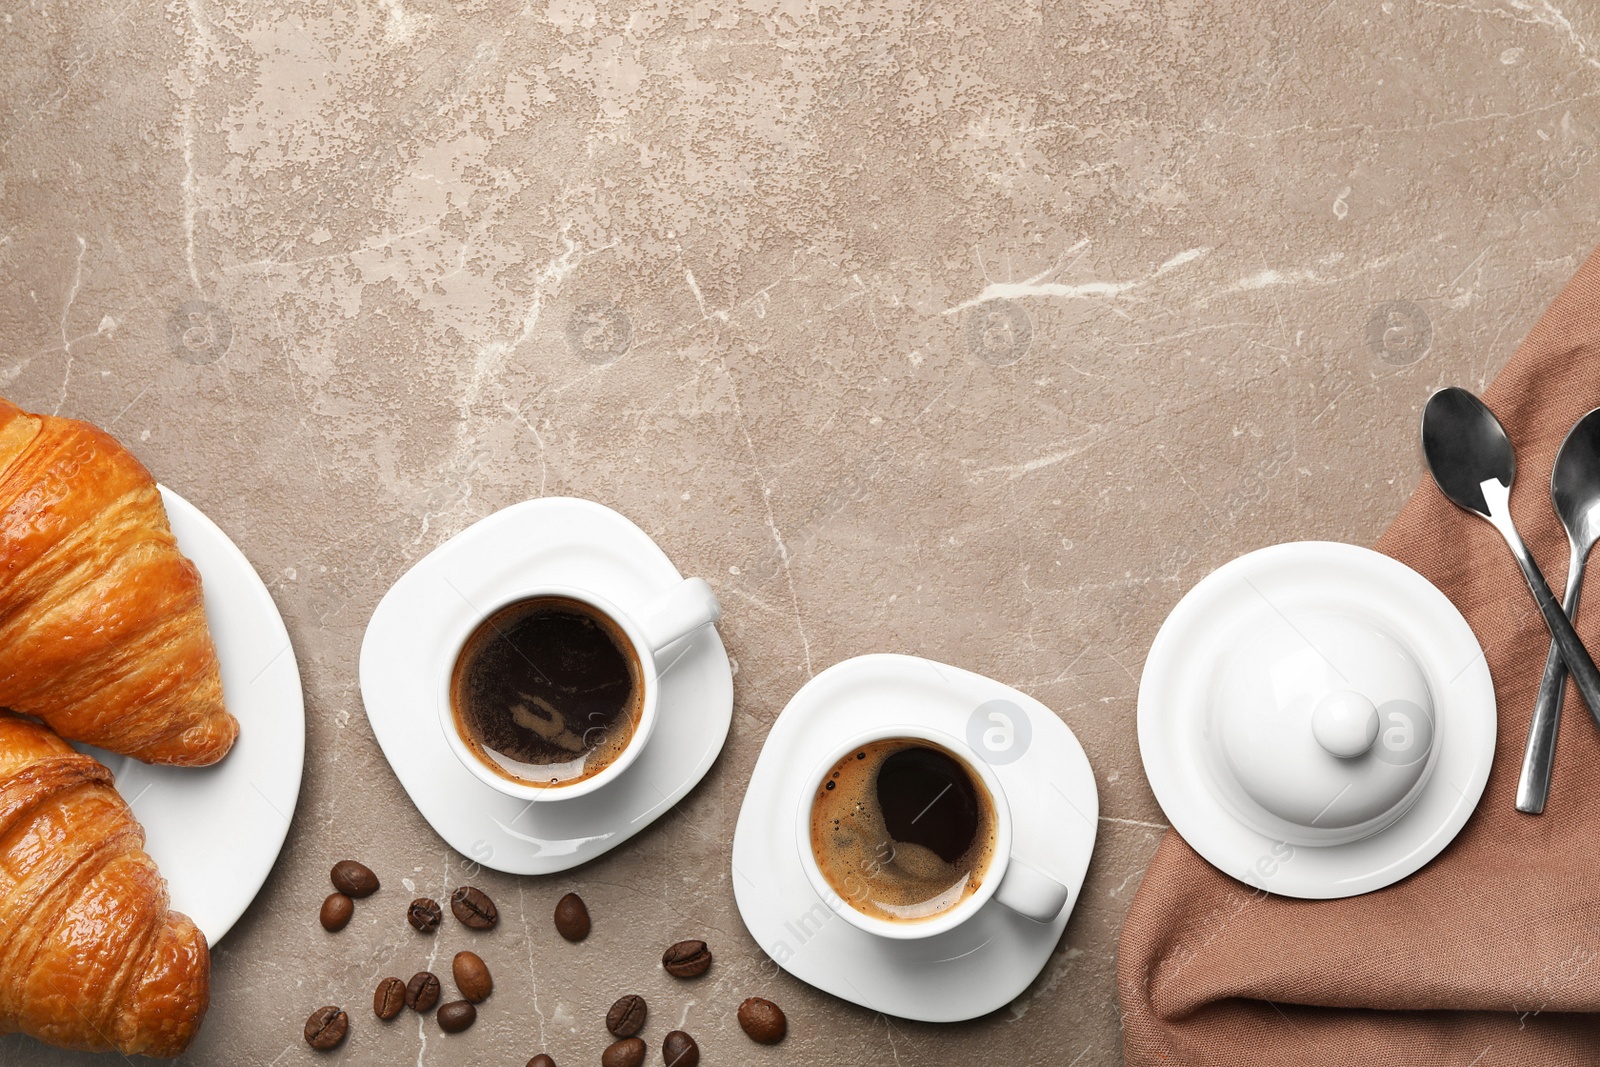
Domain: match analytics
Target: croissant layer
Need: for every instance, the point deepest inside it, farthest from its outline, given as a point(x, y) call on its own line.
point(102, 627)
point(91, 957)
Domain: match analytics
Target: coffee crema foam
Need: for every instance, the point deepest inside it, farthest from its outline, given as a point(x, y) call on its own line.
point(902, 830)
point(547, 691)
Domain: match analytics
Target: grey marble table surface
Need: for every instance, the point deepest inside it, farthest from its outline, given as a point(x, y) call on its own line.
point(979, 331)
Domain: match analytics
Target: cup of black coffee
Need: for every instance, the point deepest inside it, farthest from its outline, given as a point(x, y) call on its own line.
point(906, 833)
point(553, 691)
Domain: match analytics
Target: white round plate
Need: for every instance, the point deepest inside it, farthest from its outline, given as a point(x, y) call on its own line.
point(984, 963)
point(216, 831)
point(405, 653)
point(1272, 587)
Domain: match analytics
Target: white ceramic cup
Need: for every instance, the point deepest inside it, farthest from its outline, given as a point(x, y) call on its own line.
point(673, 615)
point(1008, 879)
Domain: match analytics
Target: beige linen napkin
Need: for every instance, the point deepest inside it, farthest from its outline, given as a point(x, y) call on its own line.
point(1489, 955)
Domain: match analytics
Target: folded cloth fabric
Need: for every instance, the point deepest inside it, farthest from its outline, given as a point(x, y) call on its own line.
point(1490, 954)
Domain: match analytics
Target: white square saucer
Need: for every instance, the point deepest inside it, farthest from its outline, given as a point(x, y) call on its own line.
point(984, 963)
point(550, 541)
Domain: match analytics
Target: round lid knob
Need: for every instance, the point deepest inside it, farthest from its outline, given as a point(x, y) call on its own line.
point(1321, 726)
point(1345, 723)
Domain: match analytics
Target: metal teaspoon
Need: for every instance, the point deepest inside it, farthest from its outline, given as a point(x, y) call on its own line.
point(1575, 490)
point(1471, 459)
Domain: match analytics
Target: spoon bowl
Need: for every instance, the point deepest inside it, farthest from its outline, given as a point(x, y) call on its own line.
point(1575, 481)
point(1465, 444)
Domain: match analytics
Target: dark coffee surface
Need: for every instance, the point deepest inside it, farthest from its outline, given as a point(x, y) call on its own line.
point(928, 799)
point(902, 830)
point(547, 691)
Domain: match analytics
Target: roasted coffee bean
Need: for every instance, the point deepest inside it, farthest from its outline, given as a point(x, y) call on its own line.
point(572, 917)
point(336, 912)
point(424, 914)
point(687, 959)
point(627, 1015)
point(541, 1060)
point(629, 1052)
point(679, 1050)
point(389, 998)
point(474, 908)
point(456, 1016)
point(763, 1021)
point(326, 1027)
point(472, 977)
point(422, 992)
point(354, 879)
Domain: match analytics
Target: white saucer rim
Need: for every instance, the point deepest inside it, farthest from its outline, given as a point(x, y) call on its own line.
point(1208, 828)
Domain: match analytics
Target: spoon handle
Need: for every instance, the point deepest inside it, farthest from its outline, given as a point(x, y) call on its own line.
point(1533, 788)
point(1567, 641)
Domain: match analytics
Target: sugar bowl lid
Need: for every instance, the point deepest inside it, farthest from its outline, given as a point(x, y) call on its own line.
point(1316, 719)
point(1322, 728)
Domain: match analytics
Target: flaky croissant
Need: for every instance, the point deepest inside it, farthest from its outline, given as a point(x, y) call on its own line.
point(90, 956)
point(102, 630)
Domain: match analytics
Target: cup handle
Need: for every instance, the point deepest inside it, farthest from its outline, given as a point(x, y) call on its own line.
point(678, 612)
point(1030, 892)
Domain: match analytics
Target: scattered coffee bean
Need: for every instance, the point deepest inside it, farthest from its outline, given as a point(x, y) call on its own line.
point(679, 1050)
point(354, 879)
point(389, 998)
point(422, 992)
point(572, 917)
point(456, 1016)
point(326, 1027)
point(424, 914)
point(336, 912)
point(627, 1016)
point(541, 1060)
point(474, 908)
point(629, 1052)
point(687, 959)
point(763, 1021)
point(472, 976)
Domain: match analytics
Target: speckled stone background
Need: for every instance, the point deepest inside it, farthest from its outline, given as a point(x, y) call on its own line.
point(974, 330)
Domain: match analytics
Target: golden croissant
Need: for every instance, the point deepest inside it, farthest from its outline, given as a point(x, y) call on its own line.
point(90, 956)
point(102, 630)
